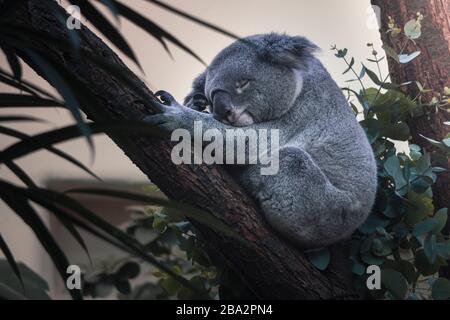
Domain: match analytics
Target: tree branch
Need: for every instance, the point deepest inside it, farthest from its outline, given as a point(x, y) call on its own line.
point(270, 267)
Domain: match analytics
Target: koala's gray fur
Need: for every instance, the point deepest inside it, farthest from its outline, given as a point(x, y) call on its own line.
point(326, 183)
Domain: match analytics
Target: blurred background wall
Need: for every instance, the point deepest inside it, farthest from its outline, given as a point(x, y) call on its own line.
point(346, 23)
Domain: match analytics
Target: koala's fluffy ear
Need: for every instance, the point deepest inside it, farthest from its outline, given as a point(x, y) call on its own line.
point(292, 52)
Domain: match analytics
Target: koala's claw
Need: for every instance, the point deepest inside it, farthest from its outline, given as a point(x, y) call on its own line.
point(166, 98)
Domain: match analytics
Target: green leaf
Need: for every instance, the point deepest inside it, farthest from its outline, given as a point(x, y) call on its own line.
point(352, 62)
point(357, 266)
point(429, 247)
point(443, 249)
point(414, 152)
point(373, 76)
point(420, 205)
point(424, 266)
point(381, 247)
point(413, 29)
point(341, 53)
point(371, 128)
point(446, 141)
point(319, 258)
point(440, 219)
point(403, 266)
point(424, 227)
point(370, 95)
point(10, 258)
point(407, 269)
point(372, 223)
point(35, 287)
point(441, 289)
point(392, 167)
point(399, 131)
point(391, 52)
point(171, 286)
point(394, 282)
point(370, 258)
point(395, 206)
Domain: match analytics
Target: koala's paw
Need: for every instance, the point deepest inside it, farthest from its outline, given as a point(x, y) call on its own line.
point(172, 115)
point(198, 102)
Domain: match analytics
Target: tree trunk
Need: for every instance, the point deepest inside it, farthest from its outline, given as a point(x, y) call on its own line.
point(270, 267)
point(431, 69)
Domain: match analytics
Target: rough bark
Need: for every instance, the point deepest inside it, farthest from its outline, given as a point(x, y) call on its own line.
point(431, 69)
point(270, 267)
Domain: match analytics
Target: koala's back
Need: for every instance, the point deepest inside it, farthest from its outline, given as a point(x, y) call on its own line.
point(326, 183)
point(333, 136)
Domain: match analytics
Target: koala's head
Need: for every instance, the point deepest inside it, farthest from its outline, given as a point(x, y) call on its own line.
point(257, 78)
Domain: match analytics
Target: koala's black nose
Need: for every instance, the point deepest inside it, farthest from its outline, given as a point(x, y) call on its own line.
point(222, 107)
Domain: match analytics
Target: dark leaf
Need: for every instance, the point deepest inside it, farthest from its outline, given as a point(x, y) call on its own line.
point(441, 289)
point(13, 61)
point(10, 258)
point(394, 282)
point(35, 287)
point(152, 28)
point(104, 26)
point(192, 18)
point(10, 118)
point(60, 84)
point(63, 155)
point(32, 219)
point(117, 237)
point(24, 85)
point(22, 175)
point(352, 62)
point(21, 100)
point(319, 258)
point(49, 138)
point(190, 212)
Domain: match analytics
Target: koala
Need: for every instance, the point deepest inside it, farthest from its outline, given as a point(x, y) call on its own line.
point(326, 183)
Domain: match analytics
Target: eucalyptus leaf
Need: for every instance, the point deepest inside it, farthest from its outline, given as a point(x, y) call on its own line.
point(441, 289)
point(405, 58)
point(394, 282)
point(319, 258)
point(413, 29)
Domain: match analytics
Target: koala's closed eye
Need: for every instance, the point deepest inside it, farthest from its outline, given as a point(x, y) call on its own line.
point(242, 84)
